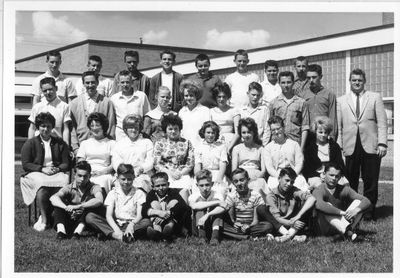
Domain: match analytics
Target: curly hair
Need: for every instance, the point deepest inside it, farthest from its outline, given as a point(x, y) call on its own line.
point(252, 126)
point(45, 117)
point(100, 118)
point(170, 119)
point(208, 124)
point(221, 88)
point(132, 120)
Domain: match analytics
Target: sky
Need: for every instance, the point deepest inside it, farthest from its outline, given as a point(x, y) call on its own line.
point(40, 31)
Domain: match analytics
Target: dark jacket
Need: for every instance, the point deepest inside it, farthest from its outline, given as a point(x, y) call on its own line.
point(32, 154)
point(312, 162)
point(177, 97)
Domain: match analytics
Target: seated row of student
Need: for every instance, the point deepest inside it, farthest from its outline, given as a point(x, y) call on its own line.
point(46, 161)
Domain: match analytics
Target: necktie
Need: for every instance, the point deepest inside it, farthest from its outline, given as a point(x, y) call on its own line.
point(358, 106)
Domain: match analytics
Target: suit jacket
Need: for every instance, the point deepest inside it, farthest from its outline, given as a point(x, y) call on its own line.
point(177, 97)
point(371, 123)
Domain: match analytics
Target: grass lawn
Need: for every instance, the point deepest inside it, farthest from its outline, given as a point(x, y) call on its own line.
point(41, 252)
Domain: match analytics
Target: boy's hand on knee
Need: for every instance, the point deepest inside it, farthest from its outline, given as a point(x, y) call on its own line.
point(298, 225)
point(203, 220)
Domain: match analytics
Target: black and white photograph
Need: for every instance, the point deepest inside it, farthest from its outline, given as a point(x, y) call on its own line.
point(166, 138)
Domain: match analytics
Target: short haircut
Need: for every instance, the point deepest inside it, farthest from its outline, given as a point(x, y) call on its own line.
point(96, 59)
point(315, 68)
point(83, 165)
point(221, 87)
point(125, 169)
point(252, 126)
point(192, 87)
point(358, 72)
point(125, 73)
point(53, 53)
point(163, 88)
point(255, 86)
point(208, 124)
point(90, 73)
point(288, 171)
point(300, 58)
point(201, 57)
point(286, 74)
point(271, 63)
point(44, 117)
point(132, 120)
point(48, 80)
point(276, 120)
point(241, 52)
point(159, 175)
point(240, 171)
point(204, 174)
point(170, 119)
point(168, 52)
point(332, 164)
point(100, 118)
point(131, 53)
point(324, 122)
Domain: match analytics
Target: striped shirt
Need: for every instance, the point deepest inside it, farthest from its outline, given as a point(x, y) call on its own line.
point(244, 208)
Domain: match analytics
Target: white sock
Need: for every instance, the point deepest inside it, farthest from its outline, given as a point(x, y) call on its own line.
point(215, 228)
point(61, 228)
point(79, 228)
point(282, 230)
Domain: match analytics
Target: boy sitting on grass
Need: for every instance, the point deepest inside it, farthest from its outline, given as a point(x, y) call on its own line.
point(290, 206)
point(243, 221)
point(339, 207)
point(207, 206)
point(166, 209)
point(124, 202)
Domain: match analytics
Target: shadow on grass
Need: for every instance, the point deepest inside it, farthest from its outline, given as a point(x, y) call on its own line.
point(383, 212)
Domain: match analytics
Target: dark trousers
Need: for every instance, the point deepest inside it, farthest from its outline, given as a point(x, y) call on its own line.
point(99, 223)
point(70, 223)
point(369, 165)
point(212, 221)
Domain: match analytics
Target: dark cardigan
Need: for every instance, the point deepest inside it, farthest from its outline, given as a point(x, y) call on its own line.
point(32, 154)
point(177, 97)
point(312, 162)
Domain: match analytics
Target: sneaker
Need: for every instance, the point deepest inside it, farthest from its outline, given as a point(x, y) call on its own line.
point(301, 238)
point(283, 238)
point(39, 226)
point(153, 234)
point(128, 239)
point(168, 231)
point(157, 228)
point(76, 236)
point(61, 236)
point(270, 237)
point(214, 242)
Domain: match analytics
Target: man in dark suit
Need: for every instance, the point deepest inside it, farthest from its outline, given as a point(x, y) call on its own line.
point(363, 136)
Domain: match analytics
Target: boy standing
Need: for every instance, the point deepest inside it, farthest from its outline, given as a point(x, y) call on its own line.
point(52, 104)
point(339, 207)
point(205, 79)
point(289, 205)
point(140, 81)
point(124, 202)
point(292, 109)
point(270, 85)
point(240, 79)
point(320, 101)
point(104, 87)
point(207, 206)
point(87, 103)
point(301, 83)
point(258, 112)
point(168, 211)
point(65, 87)
point(168, 78)
point(128, 101)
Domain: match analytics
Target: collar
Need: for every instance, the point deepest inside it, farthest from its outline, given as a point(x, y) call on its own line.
point(59, 76)
point(209, 76)
point(94, 98)
point(360, 94)
point(266, 81)
point(54, 102)
point(118, 190)
point(282, 97)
